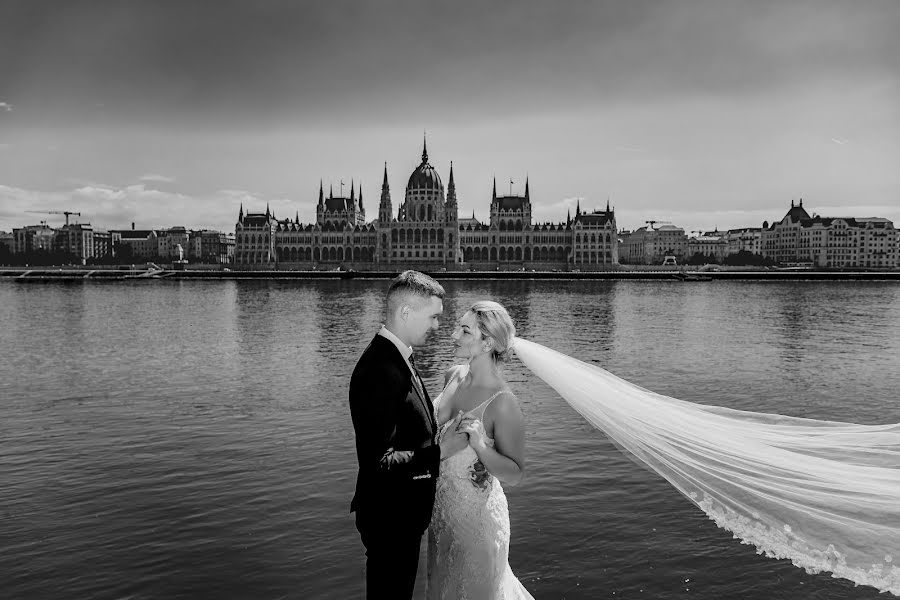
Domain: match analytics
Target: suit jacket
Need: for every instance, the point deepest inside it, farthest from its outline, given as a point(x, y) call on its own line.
point(395, 441)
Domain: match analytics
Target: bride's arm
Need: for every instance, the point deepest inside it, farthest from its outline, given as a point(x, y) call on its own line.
point(506, 460)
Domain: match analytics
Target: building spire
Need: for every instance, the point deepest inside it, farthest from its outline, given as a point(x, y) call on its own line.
point(578, 208)
point(385, 210)
point(330, 191)
point(352, 191)
point(494, 195)
point(527, 194)
point(607, 204)
point(451, 184)
point(321, 194)
point(424, 149)
point(361, 209)
point(268, 214)
point(241, 214)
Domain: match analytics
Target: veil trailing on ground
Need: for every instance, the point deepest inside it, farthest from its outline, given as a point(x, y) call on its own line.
point(824, 494)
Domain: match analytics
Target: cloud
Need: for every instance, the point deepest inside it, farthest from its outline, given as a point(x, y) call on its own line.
point(153, 177)
point(112, 207)
point(838, 142)
point(5, 106)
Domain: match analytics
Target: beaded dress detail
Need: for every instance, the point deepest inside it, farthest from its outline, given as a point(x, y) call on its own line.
point(468, 538)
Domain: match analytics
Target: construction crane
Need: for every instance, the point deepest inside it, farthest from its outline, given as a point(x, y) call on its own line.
point(56, 212)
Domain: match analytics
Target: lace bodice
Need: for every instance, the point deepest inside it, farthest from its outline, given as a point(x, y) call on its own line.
point(463, 463)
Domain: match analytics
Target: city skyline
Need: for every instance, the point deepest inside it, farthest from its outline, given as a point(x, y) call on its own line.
point(707, 115)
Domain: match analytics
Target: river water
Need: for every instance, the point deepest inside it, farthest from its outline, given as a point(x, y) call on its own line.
point(191, 439)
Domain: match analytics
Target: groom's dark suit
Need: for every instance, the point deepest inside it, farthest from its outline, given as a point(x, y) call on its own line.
point(398, 466)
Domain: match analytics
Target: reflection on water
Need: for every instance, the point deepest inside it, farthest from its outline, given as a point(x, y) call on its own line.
point(192, 439)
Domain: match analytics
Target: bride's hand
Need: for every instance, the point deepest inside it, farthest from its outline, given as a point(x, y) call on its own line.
point(475, 429)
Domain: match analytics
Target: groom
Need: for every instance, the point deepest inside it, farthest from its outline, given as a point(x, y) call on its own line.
point(393, 418)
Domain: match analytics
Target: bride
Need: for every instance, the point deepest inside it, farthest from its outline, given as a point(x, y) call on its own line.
point(468, 539)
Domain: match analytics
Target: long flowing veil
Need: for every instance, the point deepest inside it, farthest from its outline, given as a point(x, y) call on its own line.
point(824, 494)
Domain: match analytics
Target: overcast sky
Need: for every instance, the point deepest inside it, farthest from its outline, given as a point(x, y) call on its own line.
point(701, 113)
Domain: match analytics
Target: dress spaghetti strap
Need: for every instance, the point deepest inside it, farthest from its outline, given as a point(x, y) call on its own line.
point(483, 406)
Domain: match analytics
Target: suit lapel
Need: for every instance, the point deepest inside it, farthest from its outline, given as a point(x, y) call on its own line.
point(420, 392)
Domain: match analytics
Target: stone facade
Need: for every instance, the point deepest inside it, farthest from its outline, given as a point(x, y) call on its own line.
point(836, 242)
point(425, 233)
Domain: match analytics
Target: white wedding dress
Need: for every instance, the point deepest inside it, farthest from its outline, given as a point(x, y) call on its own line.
point(468, 539)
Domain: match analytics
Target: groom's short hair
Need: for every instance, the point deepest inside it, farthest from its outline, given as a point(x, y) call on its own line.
point(413, 283)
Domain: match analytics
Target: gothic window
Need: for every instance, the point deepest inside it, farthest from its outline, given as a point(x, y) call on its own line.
point(450, 239)
point(384, 239)
point(316, 254)
point(418, 238)
point(518, 225)
point(402, 235)
point(502, 225)
point(429, 212)
point(502, 253)
point(421, 213)
point(440, 236)
point(493, 254)
point(527, 253)
point(518, 253)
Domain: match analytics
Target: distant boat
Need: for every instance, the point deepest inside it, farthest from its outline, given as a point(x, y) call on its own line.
point(691, 277)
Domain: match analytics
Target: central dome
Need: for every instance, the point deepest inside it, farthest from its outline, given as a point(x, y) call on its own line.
point(425, 176)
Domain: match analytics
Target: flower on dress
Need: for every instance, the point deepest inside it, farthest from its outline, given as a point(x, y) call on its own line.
point(479, 475)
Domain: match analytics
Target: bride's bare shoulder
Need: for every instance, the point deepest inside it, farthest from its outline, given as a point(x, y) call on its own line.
point(506, 404)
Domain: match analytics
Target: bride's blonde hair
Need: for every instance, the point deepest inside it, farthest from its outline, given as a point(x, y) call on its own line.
point(495, 323)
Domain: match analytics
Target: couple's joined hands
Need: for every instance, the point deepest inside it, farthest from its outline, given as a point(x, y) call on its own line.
point(462, 432)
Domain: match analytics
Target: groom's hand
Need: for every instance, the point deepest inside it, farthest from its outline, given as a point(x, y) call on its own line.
point(453, 440)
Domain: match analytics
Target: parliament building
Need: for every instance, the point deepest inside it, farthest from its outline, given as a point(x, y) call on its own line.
point(425, 233)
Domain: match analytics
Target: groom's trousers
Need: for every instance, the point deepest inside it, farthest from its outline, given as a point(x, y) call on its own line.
point(392, 559)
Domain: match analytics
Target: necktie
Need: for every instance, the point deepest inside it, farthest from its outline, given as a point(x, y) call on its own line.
point(417, 379)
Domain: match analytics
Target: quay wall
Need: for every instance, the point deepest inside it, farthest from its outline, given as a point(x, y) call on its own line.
point(86, 274)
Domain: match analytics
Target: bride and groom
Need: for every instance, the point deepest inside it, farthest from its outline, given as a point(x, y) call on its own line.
point(436, 466)
point(820, 493)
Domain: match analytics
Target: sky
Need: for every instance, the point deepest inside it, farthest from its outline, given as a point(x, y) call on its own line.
point(706, 114)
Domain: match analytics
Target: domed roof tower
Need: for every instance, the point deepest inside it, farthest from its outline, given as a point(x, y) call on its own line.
point(424, 201)
point(425, 176)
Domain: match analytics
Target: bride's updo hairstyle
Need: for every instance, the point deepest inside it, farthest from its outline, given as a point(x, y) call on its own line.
point(495, 323)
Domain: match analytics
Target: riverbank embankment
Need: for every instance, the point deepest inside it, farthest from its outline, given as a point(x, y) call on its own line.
point(21, 274)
